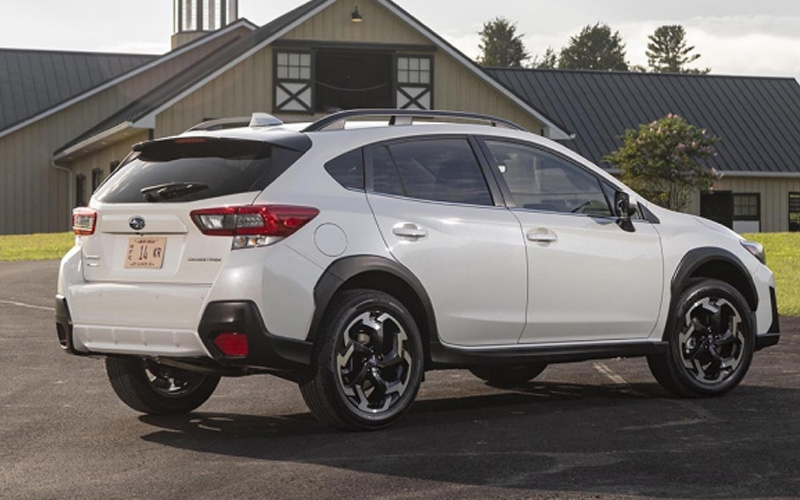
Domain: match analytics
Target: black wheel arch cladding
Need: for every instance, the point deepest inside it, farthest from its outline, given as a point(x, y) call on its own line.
point(709, 262)
point(351, 269)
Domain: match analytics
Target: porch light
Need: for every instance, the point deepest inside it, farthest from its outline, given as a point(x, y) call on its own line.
point(356, 16)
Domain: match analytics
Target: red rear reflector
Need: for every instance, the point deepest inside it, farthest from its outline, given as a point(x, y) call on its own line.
point(84, 221)
point(255, 220)
point(232, 344)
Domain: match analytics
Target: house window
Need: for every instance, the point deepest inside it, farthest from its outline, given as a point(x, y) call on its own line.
point(97, 178)
point(80, 190)
point(747, 212)
point(293, 82)
point(414, 82)
point(794, 211)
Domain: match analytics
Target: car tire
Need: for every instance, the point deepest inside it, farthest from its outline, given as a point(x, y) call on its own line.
point(156, 389)
point(508, 375)
point(368, 362)
point(711, 340)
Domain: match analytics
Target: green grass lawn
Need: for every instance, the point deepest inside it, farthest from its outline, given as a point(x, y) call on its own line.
point(35, 246)
point(783, 257)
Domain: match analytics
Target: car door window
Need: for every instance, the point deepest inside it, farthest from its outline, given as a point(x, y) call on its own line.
point(384, 173)
point(539, 180)
point(432, 169)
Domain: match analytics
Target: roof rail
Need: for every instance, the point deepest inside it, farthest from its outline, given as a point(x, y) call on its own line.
point(221, 124)
point(337, 121)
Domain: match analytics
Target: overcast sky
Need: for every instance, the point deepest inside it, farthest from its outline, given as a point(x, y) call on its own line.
point(743, 37)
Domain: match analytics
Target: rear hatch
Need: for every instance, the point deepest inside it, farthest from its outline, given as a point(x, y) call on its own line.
point(144, 231)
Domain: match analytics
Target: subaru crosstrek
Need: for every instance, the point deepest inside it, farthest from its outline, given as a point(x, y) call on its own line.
point(355, 253)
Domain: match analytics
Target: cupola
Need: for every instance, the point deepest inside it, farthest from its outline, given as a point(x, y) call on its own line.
point(195, 18)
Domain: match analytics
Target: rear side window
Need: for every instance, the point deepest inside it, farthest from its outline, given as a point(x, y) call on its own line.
point(194, 169)
point(434, 169)
point(348, 170)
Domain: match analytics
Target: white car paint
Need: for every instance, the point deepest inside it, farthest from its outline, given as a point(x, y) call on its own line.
point(472, 261)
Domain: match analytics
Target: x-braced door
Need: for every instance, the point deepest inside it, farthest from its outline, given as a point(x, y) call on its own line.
point(414, 82)
point(294, 90)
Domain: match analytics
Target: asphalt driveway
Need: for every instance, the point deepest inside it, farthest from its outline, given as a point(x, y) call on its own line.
point(586, 430)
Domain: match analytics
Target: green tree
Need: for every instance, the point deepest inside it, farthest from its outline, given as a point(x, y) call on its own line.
point(662, 161)
point(668, 52)
point(500, 45)
point(548, 60)
point(595, 47)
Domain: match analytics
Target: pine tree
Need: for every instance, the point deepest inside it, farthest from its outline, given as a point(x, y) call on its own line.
point(595, 47)
point(667, 51)
point(500, 45)
point(548, 60)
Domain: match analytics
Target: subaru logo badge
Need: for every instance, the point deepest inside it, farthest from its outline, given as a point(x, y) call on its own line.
point(136, 223)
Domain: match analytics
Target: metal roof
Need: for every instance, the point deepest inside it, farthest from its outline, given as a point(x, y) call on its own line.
point(33, 81)
point(758, 118)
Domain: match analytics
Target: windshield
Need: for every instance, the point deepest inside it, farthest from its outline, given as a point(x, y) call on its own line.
point(196, 168)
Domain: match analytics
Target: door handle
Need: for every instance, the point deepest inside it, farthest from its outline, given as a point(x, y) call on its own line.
point(542, 237)
point(409, 230)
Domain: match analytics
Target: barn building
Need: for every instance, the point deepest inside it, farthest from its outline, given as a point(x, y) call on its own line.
point(68, 118)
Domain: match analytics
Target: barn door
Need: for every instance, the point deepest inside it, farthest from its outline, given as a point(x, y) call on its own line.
point(293, 82)
point(414, 82)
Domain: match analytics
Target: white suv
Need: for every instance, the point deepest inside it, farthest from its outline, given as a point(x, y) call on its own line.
point(353, 254)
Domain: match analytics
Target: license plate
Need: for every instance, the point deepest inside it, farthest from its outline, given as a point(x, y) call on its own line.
point(145, 253)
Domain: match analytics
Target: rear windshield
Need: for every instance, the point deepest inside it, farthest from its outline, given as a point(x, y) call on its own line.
point(191, 169)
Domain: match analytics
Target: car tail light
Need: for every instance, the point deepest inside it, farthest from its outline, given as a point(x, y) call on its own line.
point(84, 221)
point(232, 344)
point(255, 225)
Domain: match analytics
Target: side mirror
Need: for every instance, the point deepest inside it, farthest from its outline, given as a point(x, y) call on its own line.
point(624, 209)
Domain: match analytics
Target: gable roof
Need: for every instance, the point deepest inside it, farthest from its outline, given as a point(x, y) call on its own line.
point(33, 81)
point(556, 129)
point(758, 118)
point(35, 78)
point(142, 112)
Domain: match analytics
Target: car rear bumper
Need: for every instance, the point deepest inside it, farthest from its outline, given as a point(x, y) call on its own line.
point(253, 294)
point(265, 350)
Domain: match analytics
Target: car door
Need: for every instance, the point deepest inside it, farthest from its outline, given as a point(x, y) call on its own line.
point(440, 219)
point(588, 278)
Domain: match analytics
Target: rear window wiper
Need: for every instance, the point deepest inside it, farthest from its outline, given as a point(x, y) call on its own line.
point(171, 190)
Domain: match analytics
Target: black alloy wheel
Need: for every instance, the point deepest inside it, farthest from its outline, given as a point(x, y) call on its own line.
point(710, 343)
point(157, 389)
point(368, 362)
